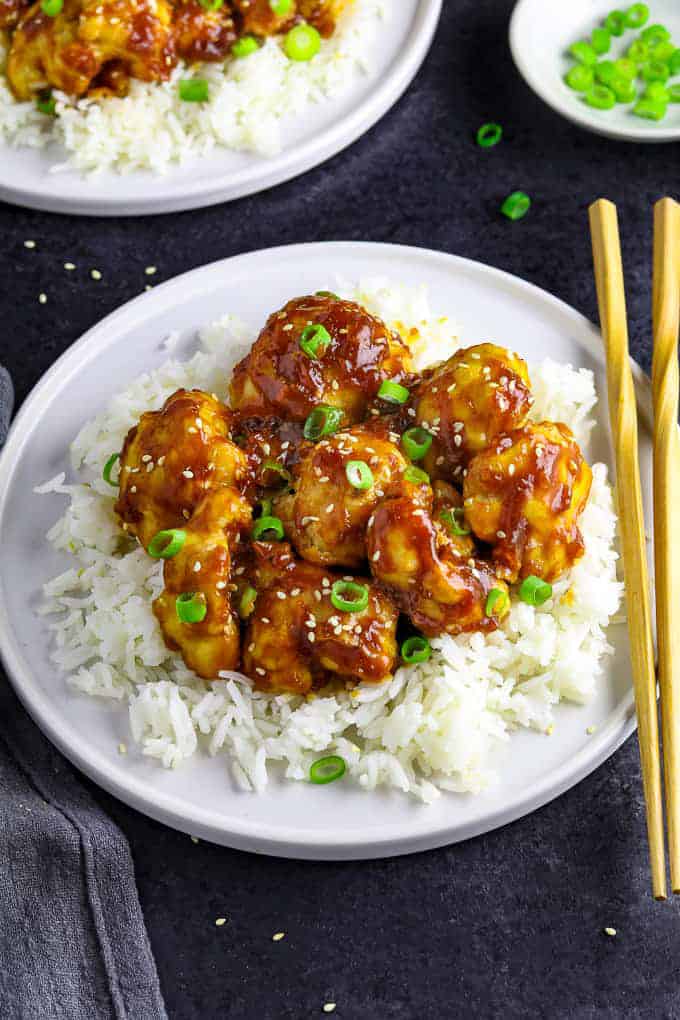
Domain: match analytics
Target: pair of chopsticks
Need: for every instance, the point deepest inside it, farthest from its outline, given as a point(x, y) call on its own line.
point(623, 416)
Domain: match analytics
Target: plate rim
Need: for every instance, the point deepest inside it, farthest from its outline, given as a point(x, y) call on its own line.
point(571, 112)
point(269, 172)
point(245, 834)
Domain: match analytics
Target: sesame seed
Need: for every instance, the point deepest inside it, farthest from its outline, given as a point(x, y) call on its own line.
point(295, 591)
point(591, 730)
point(251, 646)
point(501, 534)
point(133, 488)
point(122, 749)
point(188, 473)
point(265, 619)
point(194, 839)
point(376, 556)
point(610, 931)
point(329, 1007)
point(221, 585)
point(330, 508)
point(29, 244)
point(278, 935)
point(197, 566)
point(511, 469)
point(146, 458)
point(185, 514)
point(150, 270)
point(42, 298)
point(311, 636)
point(161, 460)
point(69, 266)
point(288, 327)
point(219, 921)
point(95, 274)
point(260, 671)
point(281, 595)
point(150, 466)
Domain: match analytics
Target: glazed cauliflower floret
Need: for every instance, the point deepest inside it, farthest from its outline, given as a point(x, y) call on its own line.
point(355, 353)
point(296, 639)
point(434, 579)
point(524, 497)
point(478, 393)
point(326, 515)
point(171, 459)
point(69, 50)
point(202, 570)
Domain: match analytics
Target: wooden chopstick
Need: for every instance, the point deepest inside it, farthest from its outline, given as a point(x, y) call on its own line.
point(623, 416)
point(665, 322)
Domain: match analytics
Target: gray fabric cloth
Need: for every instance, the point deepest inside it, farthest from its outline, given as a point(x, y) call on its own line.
point(72, 939)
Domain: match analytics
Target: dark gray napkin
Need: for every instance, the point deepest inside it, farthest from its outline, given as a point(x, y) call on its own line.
point(72, 939)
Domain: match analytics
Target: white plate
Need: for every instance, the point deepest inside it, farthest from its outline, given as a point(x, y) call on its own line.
point(290, 819)
point(540, 35)
point(311, 138)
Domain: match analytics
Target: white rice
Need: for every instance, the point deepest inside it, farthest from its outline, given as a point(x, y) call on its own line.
point(433, 727)
point(251, 102)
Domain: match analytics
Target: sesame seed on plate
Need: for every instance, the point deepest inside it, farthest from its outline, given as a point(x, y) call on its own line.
point(220, 921)
point(278, 935)
point(150, 270)
point(197, 566)
point(42, 298)
point(329, 1007)
point(69, 266)
point(122, 749)
point(95, 274)
point(188, 473)
point(29, 244)
point(609, 931)
point(260, 671)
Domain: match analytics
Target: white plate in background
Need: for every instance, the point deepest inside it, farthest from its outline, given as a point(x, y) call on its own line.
point(289, 819)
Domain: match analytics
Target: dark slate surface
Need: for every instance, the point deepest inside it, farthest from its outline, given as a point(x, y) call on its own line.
point(510, 924)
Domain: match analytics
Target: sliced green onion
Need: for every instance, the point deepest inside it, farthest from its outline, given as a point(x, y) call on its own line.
point(497, 601)
point(623, 88)
point(268, 529)
point(584, 53)
point(579, 77)
point(416, 475)
point(605, 70)
point(489, 135)
point(655, 34)
point(359, 474)
point(326, 293)
point(393, 392)
point(191, 607)
point(455, 521)
point(46, 103)
point(516, 205)
point(327, 770)
point(535, 591)
point(278, 469)
point(637, 15)
point(244, 46)
point(314, 340)
point(663, 51)
point(626, 67)
point(601, 40)
point(650, 109)
point(193, 90)
point(600, 97)
point(349, 597)
point(657, 91)
point(108, 468)
point(655, 70)
point(416, 649)
point(416, 442)
point(211, 5)
point(674, 62)
point(302, 42)
point(638, 51)
point(673, 92)
point(323, 421)
point(166, 544)
point(52, 7)
point(615, 22)
point(247, 602)
point(281, 7)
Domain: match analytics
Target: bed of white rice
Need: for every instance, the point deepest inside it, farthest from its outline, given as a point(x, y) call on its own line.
point(152, 129)
point(435, 726)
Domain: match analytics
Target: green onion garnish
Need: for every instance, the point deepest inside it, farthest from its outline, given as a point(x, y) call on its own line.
point(244, 46)
point(638, 51)
point(193, 90)
point(455, 521)
point(166, 544)
point(211, 5)
point(268, 529)
point(323, 421)
point(673, 92)
point(46, 104)
point(416, 475)
point(579, 77)
point(496, 600)
point(605, 70)
point(662, 51)
point(637, 15)
point(626, 67)
point(655, 34)
point(393, 392)
point(655, 70)
point(265, 507)
point(416, 649)
point(191, 607)
point(247, 602)
point(489, 135)
point(108, 468)
point(600, 40)
point(674, 62)
point(284, 475)
point(314, 340)
point(623, 88)
point(535, 591)
point(281, 7)
point(600, 97)
point(650, 109)
point(326, 293)
point(584, 53)
point(516, 205)
point(416, 442)
point(327, 770)
point(657, 91)
point(359, 474)
point(615, 22)
point(52, 7)
point(349, 597)
point(302, 42)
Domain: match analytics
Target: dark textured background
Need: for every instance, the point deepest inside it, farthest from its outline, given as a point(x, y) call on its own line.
point(508, 925)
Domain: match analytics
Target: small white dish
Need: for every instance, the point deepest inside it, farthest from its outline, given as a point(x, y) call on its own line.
point(540, 36)
point(311, 138)
point(288, 819)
